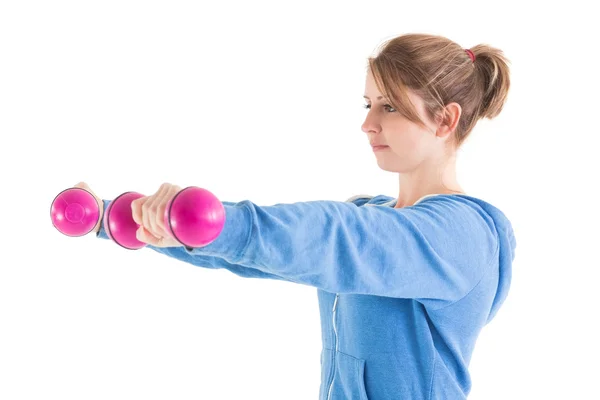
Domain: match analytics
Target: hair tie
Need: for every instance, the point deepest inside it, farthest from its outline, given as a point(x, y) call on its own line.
point(471, 55)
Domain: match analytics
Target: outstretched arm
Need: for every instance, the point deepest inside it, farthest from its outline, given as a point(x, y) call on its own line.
point(437, 249)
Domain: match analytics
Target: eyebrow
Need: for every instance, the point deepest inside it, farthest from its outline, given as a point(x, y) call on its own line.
point(378, 98)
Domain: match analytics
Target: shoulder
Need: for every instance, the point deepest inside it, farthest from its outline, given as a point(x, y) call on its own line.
point(462, 204)
point(455, 208)
point(467, 216)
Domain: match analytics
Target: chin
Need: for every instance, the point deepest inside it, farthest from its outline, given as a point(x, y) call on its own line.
point(388, 166)
point(398, 164)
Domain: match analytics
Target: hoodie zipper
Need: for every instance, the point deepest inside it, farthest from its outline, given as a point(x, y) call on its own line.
point(336, 346)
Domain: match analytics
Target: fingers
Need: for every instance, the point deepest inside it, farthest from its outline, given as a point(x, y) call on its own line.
point(170, 192)
point(144, 236)
point(136, 209)
point(85, 186)
point(149, 211)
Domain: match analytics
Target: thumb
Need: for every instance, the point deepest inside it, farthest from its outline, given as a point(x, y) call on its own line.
point(144, 236)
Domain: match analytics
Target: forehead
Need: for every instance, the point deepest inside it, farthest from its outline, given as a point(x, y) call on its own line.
point(371, 89)
point(373, 93)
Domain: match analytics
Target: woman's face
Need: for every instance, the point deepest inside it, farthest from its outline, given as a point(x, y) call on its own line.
point(406, 144)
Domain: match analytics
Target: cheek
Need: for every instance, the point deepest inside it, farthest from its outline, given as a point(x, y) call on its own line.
point(409, 143)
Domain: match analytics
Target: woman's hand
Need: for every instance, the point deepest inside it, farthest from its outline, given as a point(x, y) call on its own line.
point(149, 212)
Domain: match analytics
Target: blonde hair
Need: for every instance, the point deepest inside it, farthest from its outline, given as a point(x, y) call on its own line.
point(441, 72)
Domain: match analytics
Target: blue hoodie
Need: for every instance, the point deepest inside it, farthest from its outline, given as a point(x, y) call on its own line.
point(403, 293)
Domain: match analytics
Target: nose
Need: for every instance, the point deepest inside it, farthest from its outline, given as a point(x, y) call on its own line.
point(370, 125)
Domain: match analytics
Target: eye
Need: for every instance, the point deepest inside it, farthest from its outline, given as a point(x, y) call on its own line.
point(387, 106)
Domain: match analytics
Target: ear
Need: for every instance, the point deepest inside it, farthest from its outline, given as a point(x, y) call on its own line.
point(449, 118)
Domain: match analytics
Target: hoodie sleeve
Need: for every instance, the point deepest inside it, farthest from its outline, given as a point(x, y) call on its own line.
point(200, 260)
point(436, 250)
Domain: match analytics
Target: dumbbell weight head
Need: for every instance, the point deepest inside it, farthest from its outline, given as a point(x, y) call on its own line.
point(119, 224)
point(194, 217)
point(74, 212)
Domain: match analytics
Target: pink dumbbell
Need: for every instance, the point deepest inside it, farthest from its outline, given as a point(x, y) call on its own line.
point(74, 212)
point(194, 217)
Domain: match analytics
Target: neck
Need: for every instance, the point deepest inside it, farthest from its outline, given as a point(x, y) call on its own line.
point(423, 181)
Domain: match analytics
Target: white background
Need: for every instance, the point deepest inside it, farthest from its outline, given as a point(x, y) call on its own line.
point(263, 101)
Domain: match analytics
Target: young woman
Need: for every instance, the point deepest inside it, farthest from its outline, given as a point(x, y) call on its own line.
point(404, 284)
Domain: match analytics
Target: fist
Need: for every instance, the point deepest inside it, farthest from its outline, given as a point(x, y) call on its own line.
point(149, 213)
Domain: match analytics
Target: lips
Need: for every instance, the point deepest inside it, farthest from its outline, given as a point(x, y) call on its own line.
point(378, 146)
